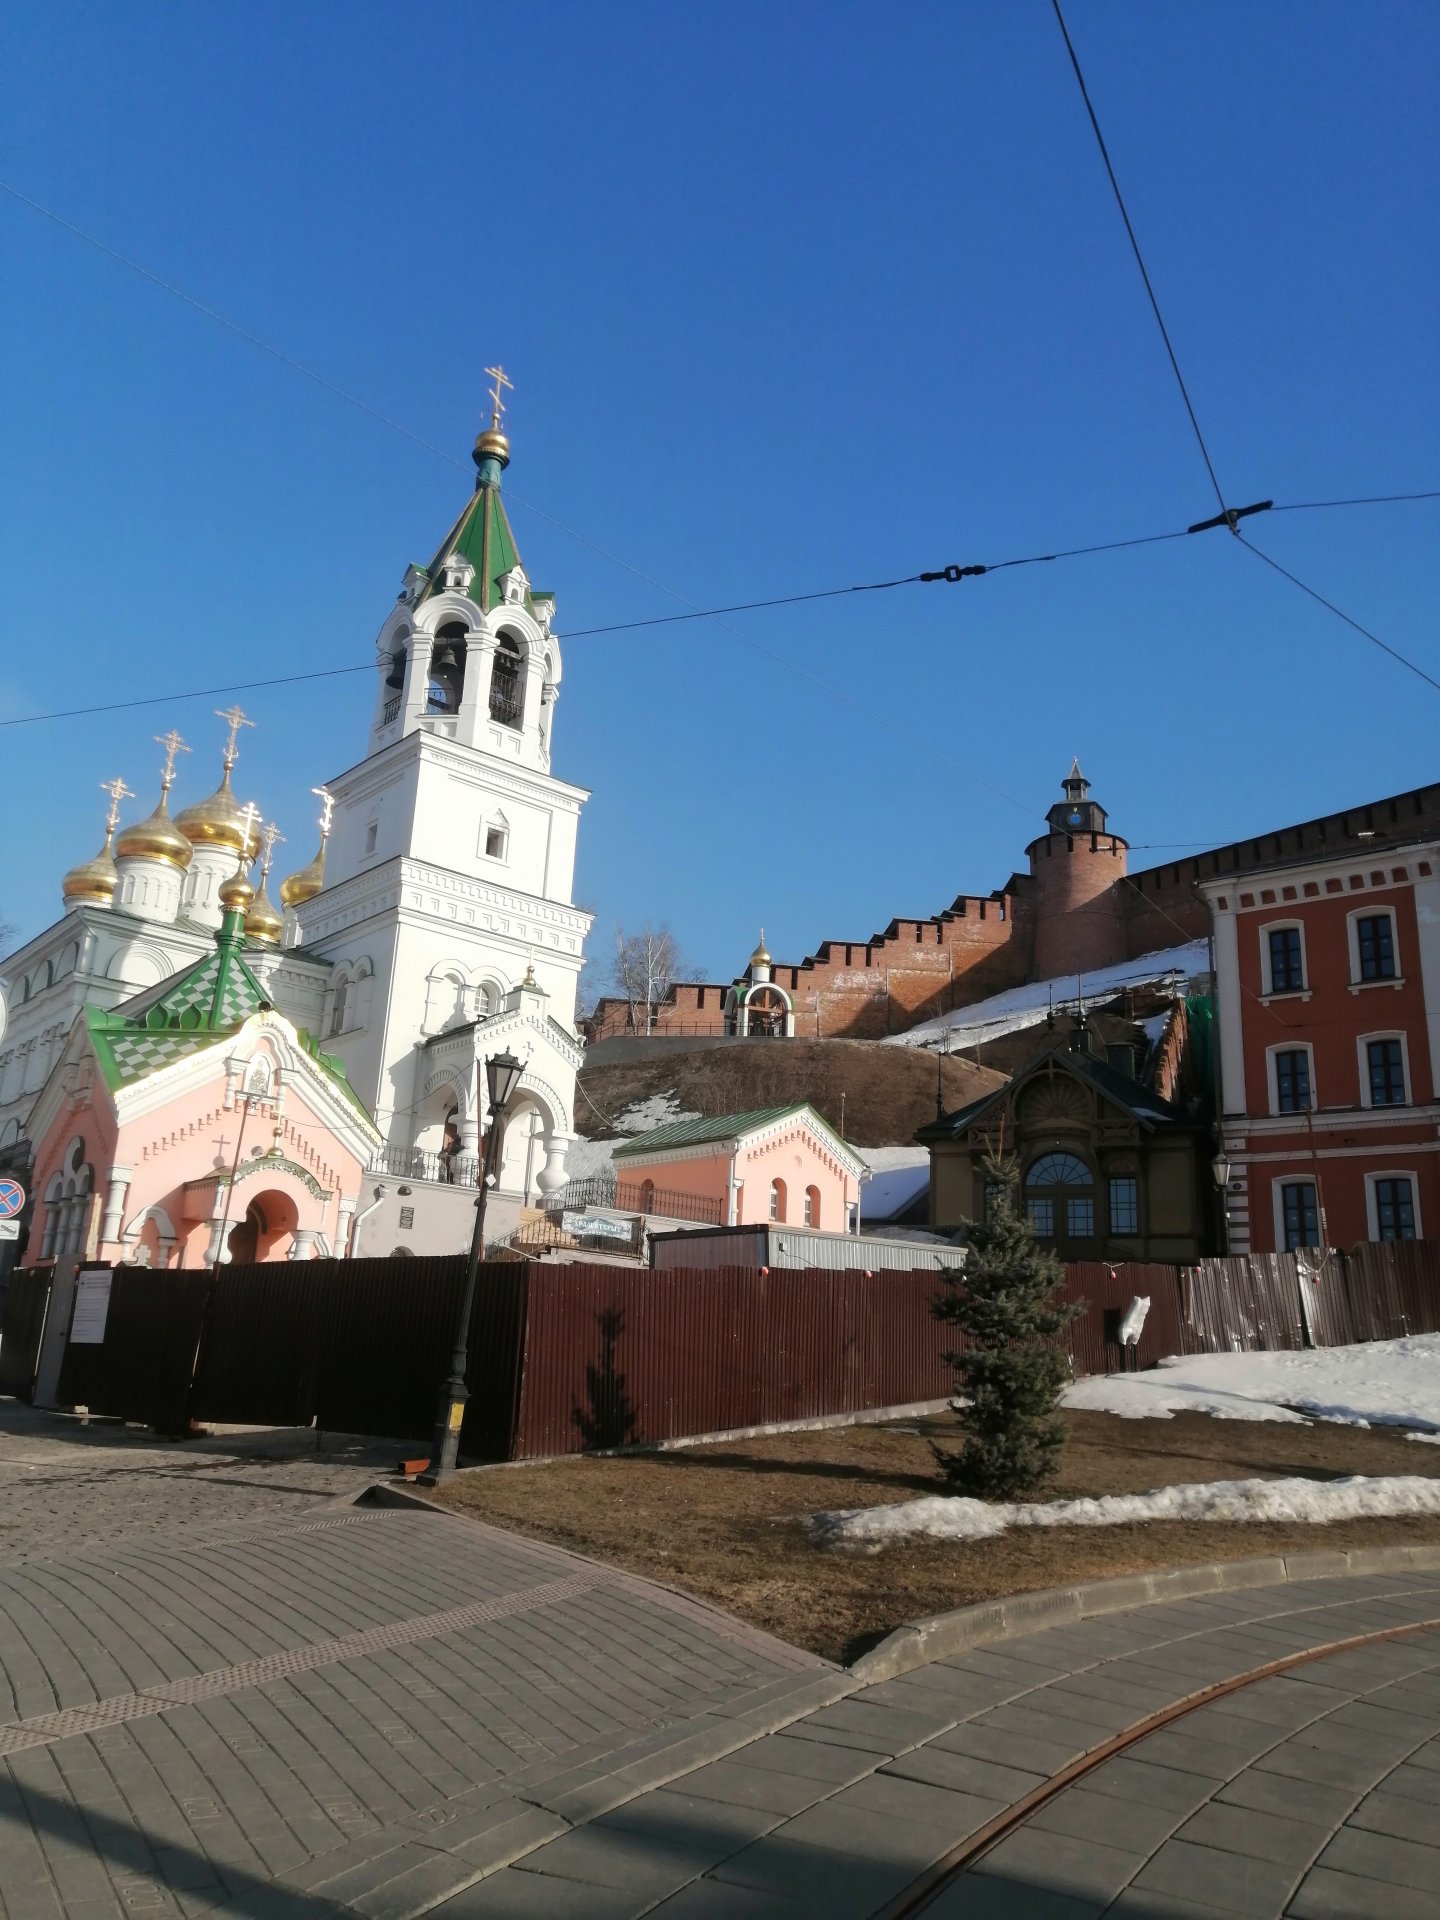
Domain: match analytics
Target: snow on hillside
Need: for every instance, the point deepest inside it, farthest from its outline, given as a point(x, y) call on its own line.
point(1382, 1383)
point(1027, 1006)
point(952, 1517)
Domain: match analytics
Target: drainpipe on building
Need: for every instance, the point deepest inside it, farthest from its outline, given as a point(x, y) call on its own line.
point(356, 1218)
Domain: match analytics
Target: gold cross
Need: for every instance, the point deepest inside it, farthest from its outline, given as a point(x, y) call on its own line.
point(496, 402)
point(249, 813)
point(172, 744)
point(234, 719)
point(117, 791)
point(324, 795)
point(271, 836)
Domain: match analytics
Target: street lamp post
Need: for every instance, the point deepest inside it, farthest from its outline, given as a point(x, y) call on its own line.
point(1220, 1167)
point(502, 1075)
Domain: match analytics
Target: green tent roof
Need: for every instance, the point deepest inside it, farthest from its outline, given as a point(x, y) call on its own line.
point(482, 536)
point(723, 1126)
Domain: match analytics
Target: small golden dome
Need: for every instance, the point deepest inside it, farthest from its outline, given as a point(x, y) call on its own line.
point(156, 838)
point(298, 887)
point(94, 880)
point(218, 822)
point(263, 922)
point(238, 892)
point(760, 957)
point(492, 444)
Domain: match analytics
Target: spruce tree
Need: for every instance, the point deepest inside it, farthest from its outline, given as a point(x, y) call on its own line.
point(1011, 1370)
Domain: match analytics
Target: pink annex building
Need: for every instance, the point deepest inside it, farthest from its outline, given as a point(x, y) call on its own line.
point(197, 1126)
point(777, 1163)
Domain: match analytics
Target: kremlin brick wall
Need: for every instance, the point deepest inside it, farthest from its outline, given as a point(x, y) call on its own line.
point(1076, 911)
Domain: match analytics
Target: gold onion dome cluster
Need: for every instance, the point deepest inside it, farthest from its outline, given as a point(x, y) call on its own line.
point(157, 837)
point(218, 822)
point(94, 879)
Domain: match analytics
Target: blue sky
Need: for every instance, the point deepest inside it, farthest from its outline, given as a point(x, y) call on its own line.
point(792, 297)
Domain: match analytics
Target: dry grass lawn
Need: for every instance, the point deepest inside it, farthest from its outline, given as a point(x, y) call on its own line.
point(720, 1521)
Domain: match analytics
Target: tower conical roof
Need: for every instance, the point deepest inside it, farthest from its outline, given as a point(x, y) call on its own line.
point(482, 535)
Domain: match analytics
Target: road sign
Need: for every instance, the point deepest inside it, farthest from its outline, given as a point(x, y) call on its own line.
point(9, 1229)
point(12, 1198)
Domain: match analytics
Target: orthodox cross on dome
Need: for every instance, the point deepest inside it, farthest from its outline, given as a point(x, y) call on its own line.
point(249, 814)
point(234, 719)
point(172, 744)
point(497, 403)
point(117, 791)
point(327, 809)
point(271, 838)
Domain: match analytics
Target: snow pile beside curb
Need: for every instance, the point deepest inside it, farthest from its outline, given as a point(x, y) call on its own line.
point(1309, 1501)
point(1381, 1383)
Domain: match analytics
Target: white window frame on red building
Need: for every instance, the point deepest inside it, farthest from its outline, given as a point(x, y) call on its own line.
point(1343, 1145)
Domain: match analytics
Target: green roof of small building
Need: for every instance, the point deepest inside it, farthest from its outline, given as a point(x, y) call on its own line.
point(722, 1126)
point(208, 1002)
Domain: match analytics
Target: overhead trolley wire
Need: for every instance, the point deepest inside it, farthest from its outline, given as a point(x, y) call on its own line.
point(1341, 614)
point(1139, 257)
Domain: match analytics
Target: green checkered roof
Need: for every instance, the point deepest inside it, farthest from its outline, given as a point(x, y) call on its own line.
point(209, 1002)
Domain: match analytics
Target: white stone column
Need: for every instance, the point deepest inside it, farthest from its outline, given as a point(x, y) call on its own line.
point(417, 681)
point(534, 687)
point(475, 694)
point(114, 1205)
point(302, 1244)
point(552, 1175)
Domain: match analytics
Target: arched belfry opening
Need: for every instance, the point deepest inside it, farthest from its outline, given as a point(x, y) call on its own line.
point(507, 682)
point(446, 683)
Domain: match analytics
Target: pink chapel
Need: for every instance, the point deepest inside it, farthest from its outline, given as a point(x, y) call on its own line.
point(776, 1163)
point(207, 1126)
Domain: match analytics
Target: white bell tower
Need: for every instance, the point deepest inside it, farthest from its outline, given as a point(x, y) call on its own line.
point(446, 909)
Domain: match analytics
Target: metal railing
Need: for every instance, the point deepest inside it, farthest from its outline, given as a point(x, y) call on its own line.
point(391, 710)
point(417, 1163)
point(507, 703)
point(635, 1196)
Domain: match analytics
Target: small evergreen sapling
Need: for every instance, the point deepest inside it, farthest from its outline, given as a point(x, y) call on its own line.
point(1011, 1370)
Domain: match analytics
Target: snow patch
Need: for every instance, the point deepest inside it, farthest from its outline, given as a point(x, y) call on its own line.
point(1379, 1383)
point(898, 1175)
point(656, 1110)
point(1313, 1502)
point(589, 1159)
point(1027, 1006)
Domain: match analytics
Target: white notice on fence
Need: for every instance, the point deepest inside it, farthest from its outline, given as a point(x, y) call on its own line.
point(92, 1308)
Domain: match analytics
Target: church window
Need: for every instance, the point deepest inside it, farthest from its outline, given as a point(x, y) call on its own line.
point(777, 1201)
point(812, 1206)
point(1124, 1204)
point(337, 1017)
point(647, 1197)
point(507, 683)
point(371, 835)
point(497, 841)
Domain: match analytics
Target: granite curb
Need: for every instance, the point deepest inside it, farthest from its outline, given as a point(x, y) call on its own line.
point(944, 1634)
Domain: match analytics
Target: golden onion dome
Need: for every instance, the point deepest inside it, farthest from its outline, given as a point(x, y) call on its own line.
point(263, 922)
point(298, 887)
point(238, 892)
point(156, 838)
point(760, 957)
point(94, 880)
point(218, 822)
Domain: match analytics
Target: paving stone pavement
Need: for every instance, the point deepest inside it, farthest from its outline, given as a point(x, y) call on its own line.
point(226, 1690)
point(1312, 1794)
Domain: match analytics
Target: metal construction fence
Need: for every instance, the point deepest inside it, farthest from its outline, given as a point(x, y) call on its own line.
point(570, 1358)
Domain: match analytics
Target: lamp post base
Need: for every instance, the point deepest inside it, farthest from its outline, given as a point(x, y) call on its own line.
point(445, 1443)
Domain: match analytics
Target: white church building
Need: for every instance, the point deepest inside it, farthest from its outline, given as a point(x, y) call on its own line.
point(434, 927)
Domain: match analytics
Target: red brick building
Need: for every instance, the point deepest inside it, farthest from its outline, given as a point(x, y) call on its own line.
point(1328, 997)
point(1076, 909)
